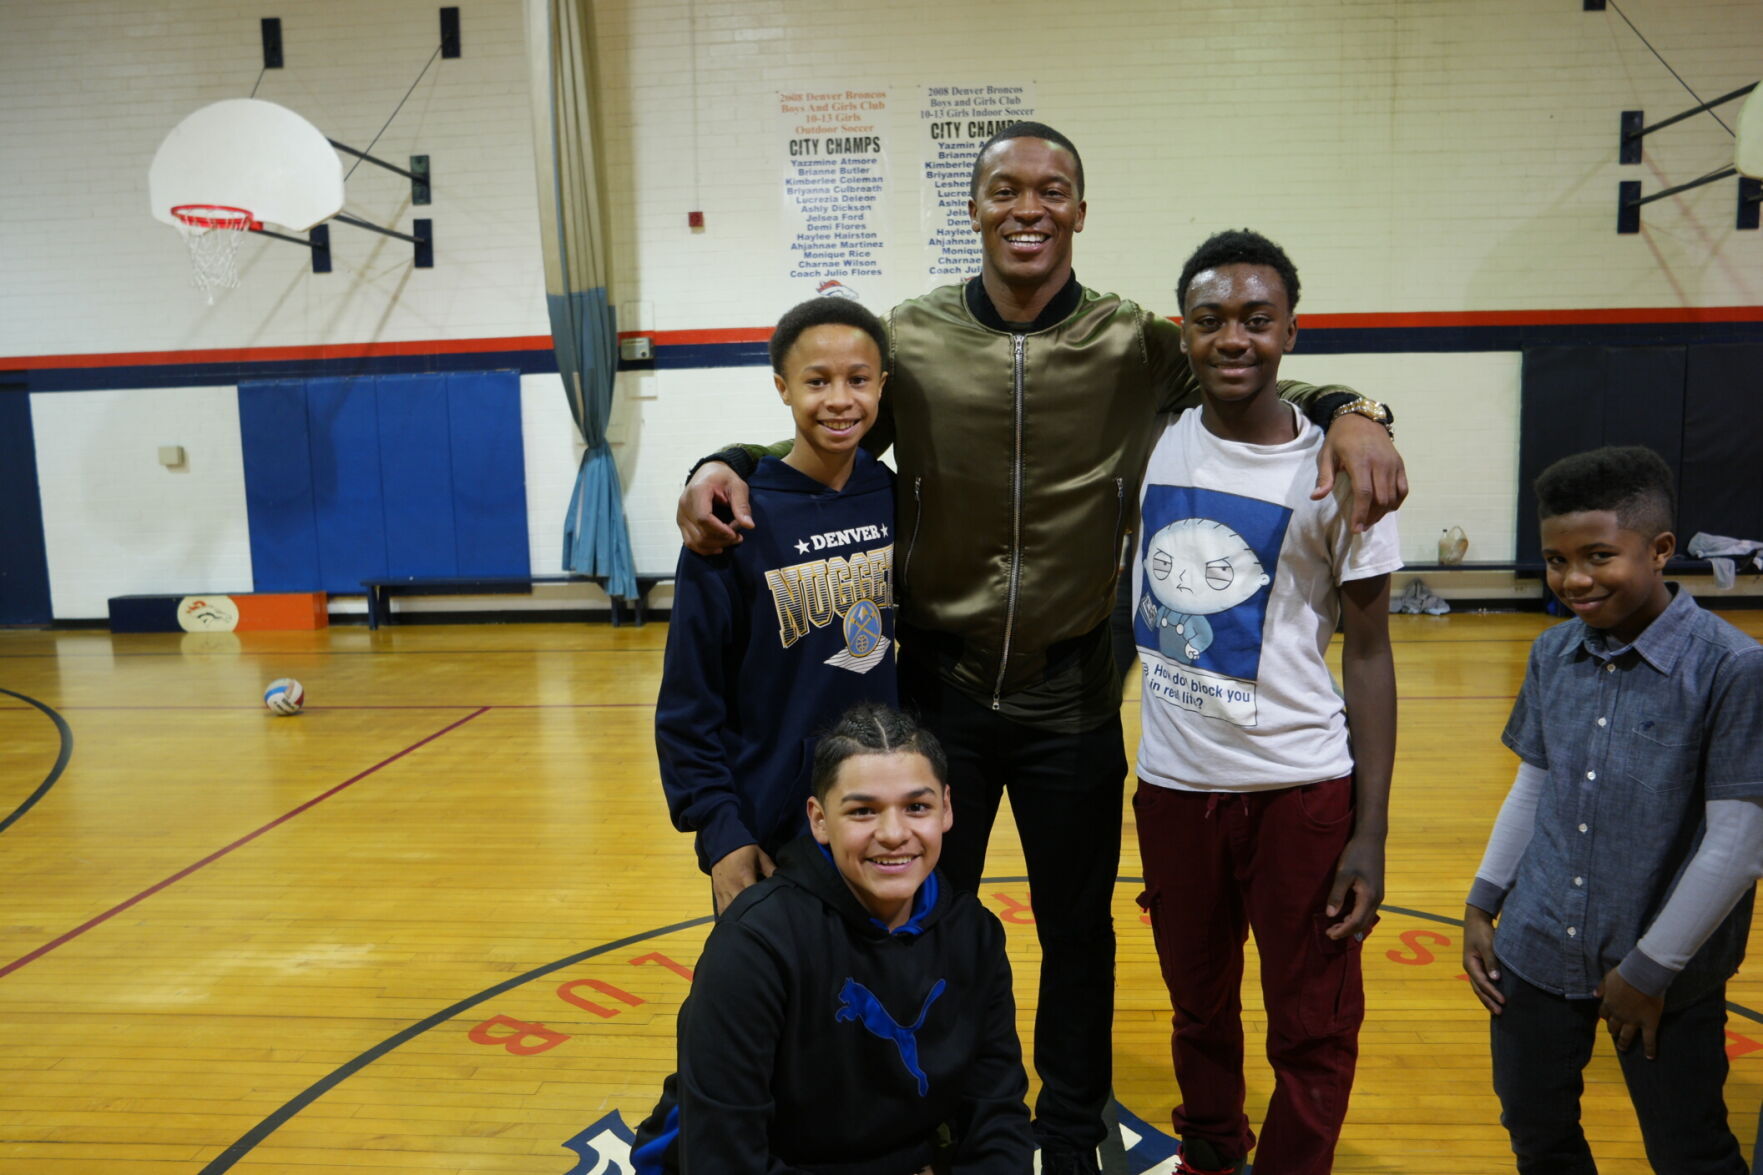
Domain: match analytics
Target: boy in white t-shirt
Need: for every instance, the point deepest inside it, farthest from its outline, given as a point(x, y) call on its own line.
point(1258, 806)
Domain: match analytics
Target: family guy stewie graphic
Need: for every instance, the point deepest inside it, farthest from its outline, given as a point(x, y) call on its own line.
point(1206, 564)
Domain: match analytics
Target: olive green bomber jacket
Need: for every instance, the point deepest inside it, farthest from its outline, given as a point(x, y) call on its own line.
point(1020, 453)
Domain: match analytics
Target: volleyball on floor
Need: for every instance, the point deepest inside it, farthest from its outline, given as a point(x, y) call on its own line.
point(284, 696)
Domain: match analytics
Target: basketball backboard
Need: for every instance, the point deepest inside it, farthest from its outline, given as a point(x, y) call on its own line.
point(1747, 154)
point(252, 155)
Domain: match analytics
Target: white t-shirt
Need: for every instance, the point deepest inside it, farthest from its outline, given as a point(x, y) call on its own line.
point(1235, 598)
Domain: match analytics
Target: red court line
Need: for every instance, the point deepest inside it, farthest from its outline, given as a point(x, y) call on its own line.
point(550, 650)
point(219, 853)
point(386, 706)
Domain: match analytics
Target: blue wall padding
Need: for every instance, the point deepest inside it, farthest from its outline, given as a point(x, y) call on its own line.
point(24, 565)
point(145, 613)
point(489, 473)
point(343, 417)
point(278, 485)
point(375, 477)
point(416, 475)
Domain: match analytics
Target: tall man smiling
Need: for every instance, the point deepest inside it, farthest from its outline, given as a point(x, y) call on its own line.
point(1022, 410)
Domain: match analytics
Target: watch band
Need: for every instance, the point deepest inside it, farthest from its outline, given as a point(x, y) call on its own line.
point(1370, 409)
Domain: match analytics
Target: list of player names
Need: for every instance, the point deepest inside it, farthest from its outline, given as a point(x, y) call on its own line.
point(835, 178)
point(955, 121)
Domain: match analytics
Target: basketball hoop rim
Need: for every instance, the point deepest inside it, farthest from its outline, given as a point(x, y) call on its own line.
point(220, 216)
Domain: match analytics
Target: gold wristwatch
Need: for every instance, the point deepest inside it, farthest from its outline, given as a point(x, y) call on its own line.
point(1371, 410)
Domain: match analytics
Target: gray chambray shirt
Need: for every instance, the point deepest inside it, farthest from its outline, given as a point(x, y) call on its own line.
point(1636, 740)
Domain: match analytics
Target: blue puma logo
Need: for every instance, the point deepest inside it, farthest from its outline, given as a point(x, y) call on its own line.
point(857, 1002)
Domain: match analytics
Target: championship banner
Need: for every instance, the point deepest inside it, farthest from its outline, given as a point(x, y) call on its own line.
point(954, 121)
point(835, 187)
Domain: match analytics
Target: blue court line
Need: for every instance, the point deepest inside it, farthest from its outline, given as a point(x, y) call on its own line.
point(66, 733)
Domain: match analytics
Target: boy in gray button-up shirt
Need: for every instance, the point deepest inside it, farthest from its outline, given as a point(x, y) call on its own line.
point(1622, 863)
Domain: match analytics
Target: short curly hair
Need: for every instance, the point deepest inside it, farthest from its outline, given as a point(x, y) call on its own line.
point(824, 311)
point(1238, 246)
point(1631, 481)
point(870, 728)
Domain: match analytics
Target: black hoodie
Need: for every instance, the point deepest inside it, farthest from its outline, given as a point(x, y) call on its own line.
point(816, 1041)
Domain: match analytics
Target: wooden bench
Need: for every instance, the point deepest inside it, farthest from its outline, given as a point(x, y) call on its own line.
point(381, 591)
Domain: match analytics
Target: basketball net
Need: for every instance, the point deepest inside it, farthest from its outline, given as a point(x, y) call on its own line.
point(213, 233)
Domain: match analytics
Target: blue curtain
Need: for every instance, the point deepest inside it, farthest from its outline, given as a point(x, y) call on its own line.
point(596, 539)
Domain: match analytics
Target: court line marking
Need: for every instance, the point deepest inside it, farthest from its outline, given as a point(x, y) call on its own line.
point(66, 733)
point(249, 1141)
point(219, 853)
point(338, 708)
point(375, 706)
point(293, 653)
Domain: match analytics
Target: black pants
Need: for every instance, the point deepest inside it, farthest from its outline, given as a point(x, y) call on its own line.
point(1541, 1043)
point(1065, 791)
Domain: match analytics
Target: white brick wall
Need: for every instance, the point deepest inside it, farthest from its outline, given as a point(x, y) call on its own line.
point(115, 521)
point(89, 88)
point(1413, 155)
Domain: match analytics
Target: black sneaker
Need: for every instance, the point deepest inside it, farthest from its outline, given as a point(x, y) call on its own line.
point(1199, 1157)
point(1064, 1162)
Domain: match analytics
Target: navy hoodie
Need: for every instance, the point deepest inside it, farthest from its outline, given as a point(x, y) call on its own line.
point(818, 1042)
point(768, 644)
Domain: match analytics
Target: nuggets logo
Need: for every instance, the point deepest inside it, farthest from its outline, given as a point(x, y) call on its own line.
point(853, 589)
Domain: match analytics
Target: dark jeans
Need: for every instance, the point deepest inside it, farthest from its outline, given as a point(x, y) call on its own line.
point(1541, 1043)
point(1217, 865)
point(1065, 792)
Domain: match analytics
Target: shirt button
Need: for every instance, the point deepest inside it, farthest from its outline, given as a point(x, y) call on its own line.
point(1609, 667)
point(1572, 931)
point(1603, 722)
point(1591, 775)
point(1579, 881)
point(1582, 828)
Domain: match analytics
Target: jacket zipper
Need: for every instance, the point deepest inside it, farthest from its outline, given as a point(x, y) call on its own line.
point(1015, 528)
point(1123, 557)
point(911, 546)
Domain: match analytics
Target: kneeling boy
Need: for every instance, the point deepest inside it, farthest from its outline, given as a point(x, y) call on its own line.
point(1622, 863)
point(851, 1014)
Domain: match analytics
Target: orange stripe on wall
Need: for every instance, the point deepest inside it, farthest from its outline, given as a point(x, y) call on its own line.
point(1613, 317)
point(759, 334)
point(1424, 318)
point(273, 354)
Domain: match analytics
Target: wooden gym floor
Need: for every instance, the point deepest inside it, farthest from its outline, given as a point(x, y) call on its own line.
point(439, 922)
